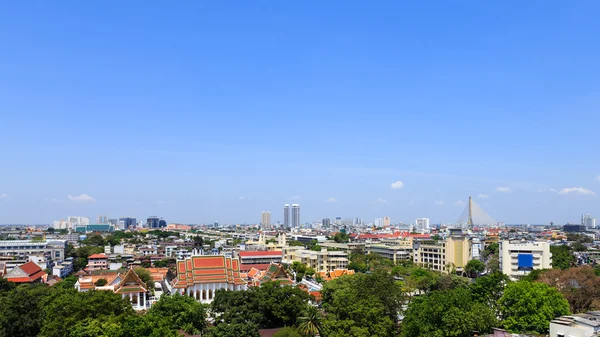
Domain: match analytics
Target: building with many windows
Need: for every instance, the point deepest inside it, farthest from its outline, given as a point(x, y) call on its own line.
point(286, 216)
point(519, 258)
point(55, 250)
point(265, 219)
point(295, 215)
point(453, 254)
point(97, 262)
point(321, 261)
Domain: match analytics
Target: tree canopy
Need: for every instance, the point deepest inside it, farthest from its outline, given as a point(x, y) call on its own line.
point(530, 306)
point(361, 305)
point(562, 256)
point(447, 313)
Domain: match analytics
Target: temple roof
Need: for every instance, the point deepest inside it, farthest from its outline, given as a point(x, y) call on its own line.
point(207, 269)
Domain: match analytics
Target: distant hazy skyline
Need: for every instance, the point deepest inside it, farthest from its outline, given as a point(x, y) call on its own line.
point(200, 112)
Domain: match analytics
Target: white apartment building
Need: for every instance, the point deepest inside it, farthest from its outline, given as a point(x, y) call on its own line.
point(422, 224)
point(323, 261)
point(265, 219)
point(78, 221)
point(519, 258)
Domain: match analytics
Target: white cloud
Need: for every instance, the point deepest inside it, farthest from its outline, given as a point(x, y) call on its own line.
point(483, 196)
point(242, 198)
point(380, 201)
point(295, 197)
point(160, 202)
point(459, 203)
point(439, 202)
point(397, 185)
point(503, 189)
point(81, 198)
point(597, 178)
point(547, 190)
point(579, 190)
point(331, 199)
point(3, 196)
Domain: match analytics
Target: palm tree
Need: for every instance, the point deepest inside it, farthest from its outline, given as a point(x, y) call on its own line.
point(310, 323)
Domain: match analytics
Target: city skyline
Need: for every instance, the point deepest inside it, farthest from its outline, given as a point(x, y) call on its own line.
point(257, 105)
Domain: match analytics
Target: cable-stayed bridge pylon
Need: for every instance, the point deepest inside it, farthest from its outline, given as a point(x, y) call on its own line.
point(474, 215)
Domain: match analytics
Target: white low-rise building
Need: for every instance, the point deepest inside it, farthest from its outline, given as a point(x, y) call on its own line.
point(519, 258)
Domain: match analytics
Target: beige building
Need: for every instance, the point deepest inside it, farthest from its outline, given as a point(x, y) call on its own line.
point(446, 256)
point(322, 261)
point(386, 221)
point(265, 219)
point(519, 258)
point(393, 252)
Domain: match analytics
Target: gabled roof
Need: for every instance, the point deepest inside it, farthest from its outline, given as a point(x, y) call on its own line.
point(98, 256)
point(274, 273)
point(28, 272)
point(131, 284)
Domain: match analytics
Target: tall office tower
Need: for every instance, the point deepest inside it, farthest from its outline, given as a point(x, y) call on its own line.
point(286, 216)
point(588, 221)
point(378, 222)
point(338, 220)
point(114, 222)
point(162, 223)
point(295, 215)
point(127, 222)
point(101, 219)
point(152, 222)
point(326, 223)
point(422, 223)
point(265, 221)
point(386, 221)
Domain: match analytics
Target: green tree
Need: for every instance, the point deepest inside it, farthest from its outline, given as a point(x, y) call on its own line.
point(68, 307)
point(163, 263)
point(145, 276)
point(474, 268)
point(361, 305)
point(6, 285)
point(491, 249)
point(22, 310)
point(578, 247)
point(530, 306)
point(310, 322)
point(247, 329)
point(101, 282)
point(447, 313)
point(562, 257)
point(182, 312)
point(488, 289)
point(287, 332)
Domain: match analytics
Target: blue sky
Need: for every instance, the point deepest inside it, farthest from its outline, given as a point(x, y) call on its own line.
point(200, 112)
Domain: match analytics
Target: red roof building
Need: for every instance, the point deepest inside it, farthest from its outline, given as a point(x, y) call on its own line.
point(97, 262)
point(201, 276)
point(26, 273)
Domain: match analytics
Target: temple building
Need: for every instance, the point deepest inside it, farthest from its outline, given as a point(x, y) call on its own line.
point(128, 285)
point(201, 276)
point(274, 273)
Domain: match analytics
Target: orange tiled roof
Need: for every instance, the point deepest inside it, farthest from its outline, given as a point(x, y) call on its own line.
point(207, 269)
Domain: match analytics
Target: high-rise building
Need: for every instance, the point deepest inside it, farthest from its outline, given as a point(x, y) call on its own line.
point(127, 222)
point(286, 216)
point(114, 222)
point(338, 220)
point(101, 219)
point(386, 221)
point(588, 221)
point(265, 221)
point(75, 221)
point(326, 223)
point(152, 222)
point(379, 222)
point(422, 224)
point(162, 223)
point(295, 215)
